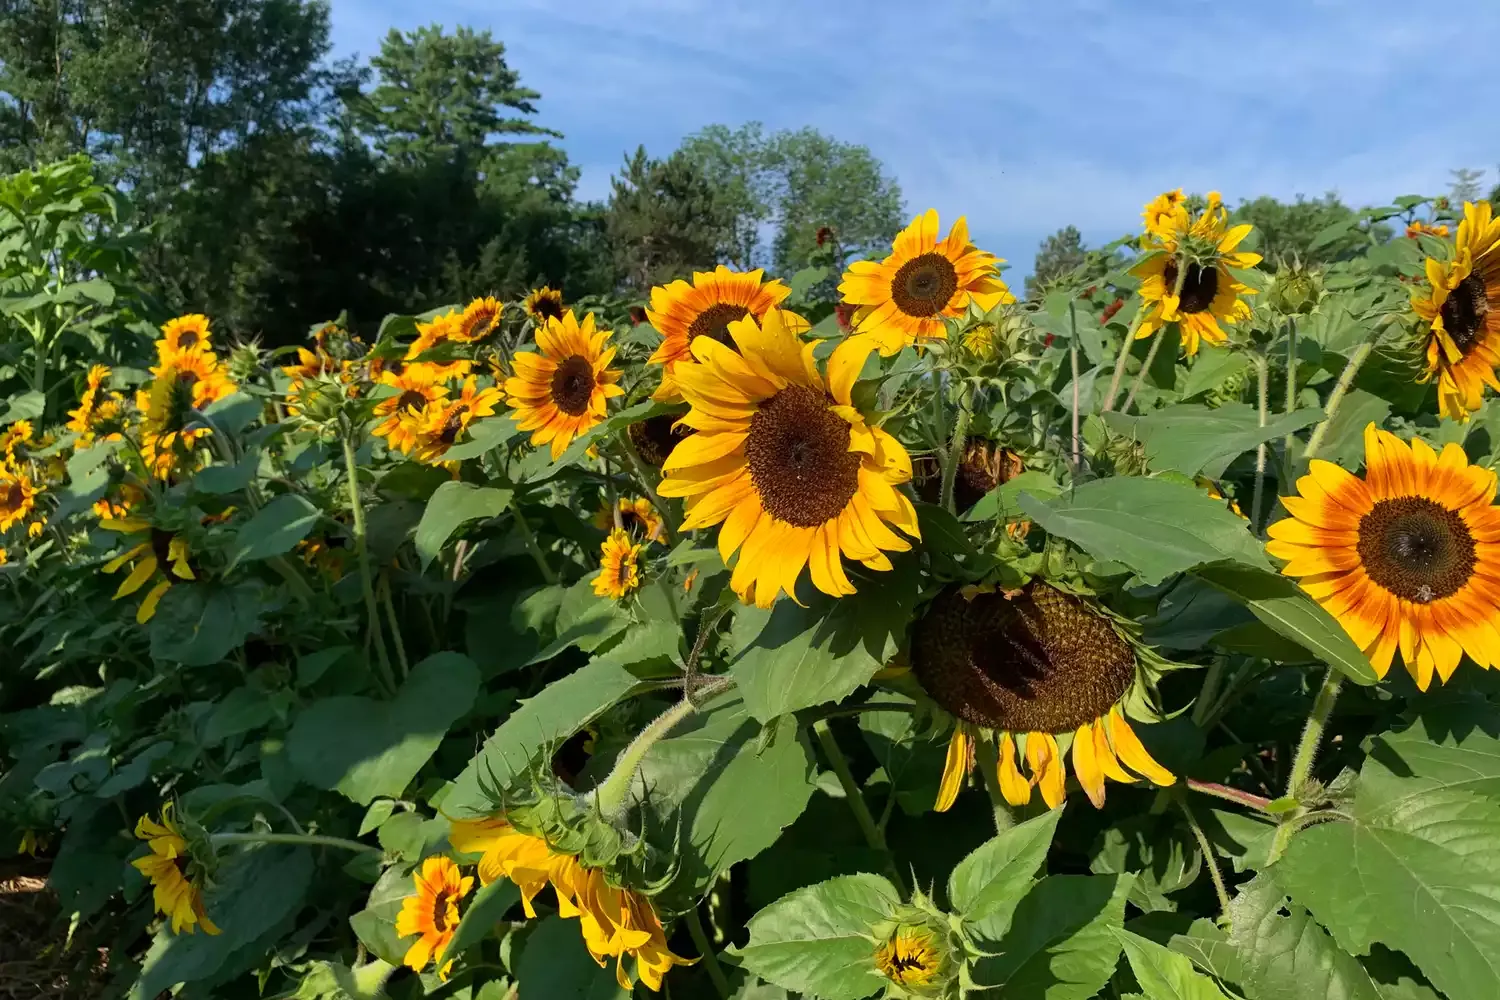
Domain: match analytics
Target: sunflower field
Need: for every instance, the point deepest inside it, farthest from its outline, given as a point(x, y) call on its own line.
point(863, 632)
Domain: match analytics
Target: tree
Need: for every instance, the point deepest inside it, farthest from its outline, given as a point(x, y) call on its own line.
point(736, 163)
point(1465, 185)
point(1059, 255)
point(1288, 229)
point(665, 219)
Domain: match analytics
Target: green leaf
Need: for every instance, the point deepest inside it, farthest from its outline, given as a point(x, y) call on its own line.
point(485, 910)
point(557, 966)
point(199, 624)
point(1213, 367)
point(25, 406)
point(1164, 974)
point(367, 748)
point(819, 940)
point(234, 412)
point(484, 436)
point(790, 657)
point(275, 530)
point(1344, 441)
point(945, 541)
point(1004, 500)
point(1191, 438)
point(539, 465)
point(1417, 867)
point(222, 479)
point(1154, 526)
point(375, 925)
point(988, 885)
point(453, 504)
point(558, 711)
point(257, 889)
point(1062, 943)
point(1286, 608)
point(241, 710)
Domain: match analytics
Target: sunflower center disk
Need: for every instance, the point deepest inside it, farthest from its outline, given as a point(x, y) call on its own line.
point(925, 285)
point(10, 497)
point(440, 905)
point(1043, 663)
point(655, 438)
point(1464, 312)
point(1199, 286)
point(714, 321)
point(799, 458)
point(1416, 548)
point(411, 401)
point(573, 385)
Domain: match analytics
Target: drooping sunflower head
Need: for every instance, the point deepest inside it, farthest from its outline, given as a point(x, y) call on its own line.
point(1461, 306)
point(176, 877)
point(682, 312)
point(904, 299)
point(786, 462)
point(619, 566)
point(1419, 228)
point(183, 335)
point(637, 516)
point(1029, 668)
point(543, 304)
point(432, 913)
point(655, 437)
point(562, 389)
point(1404, 558)
point(479, 320)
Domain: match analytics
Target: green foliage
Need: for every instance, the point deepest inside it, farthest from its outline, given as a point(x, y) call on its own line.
point(1059, 256)
point(664, 219)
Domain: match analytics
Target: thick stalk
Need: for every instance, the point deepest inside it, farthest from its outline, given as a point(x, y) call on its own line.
point(1307, 752)
point(1073, 358)
point(1122, 357)
point(1209, 860)
point(609, 492)
point(1340, 389)
point(989, 769)
point(366, 580)
point(854, 795)
point(955, 455)
point(1263, 404)
point(1140, 376)
point(390, 617)
point(533, 546)
point(706, 950)
point(615, 789)
point(306, 839)
point(1291, 381)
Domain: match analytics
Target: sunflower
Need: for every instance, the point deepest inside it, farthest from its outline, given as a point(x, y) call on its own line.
point(786, 462)
point(561, 391)
point(903, 299)
point(176, 895)
point(637, 513)
point(655, 437)
point(183, 335)
point(1214, 492)
point(681, 312)
point(161, 554)
point(433, 913)
point(619, 566)
point(544, 304)
point(909, 957)
point(479, 320)
point(439, 330)
point(406, 415)
point(1463, 345)
point(82, 418)
point(17, 494)
point(1166, 214)
point(1209, 293)
point(1026, 669)
point(447, 421)
point(310, 364)
point(19, 433)
point(615, 921)
point(1406, 558)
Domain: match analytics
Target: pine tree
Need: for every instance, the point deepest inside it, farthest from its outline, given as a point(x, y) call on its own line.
point(1057, 257)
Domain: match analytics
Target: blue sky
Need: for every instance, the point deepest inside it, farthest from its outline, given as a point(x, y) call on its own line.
point(1024, 116)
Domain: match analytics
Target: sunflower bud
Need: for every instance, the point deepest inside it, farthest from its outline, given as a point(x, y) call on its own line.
point(1231, 390)
point(1295, 290)
point(1125, 456)
point(319, 400)
point(922, 951)
point(244, 362)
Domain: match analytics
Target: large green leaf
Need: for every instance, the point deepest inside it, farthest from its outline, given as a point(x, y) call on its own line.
point(557, 966)
point(1212, 368)
point(1163, 973)
point(792, 657)
point(988, 885)
point(256, 891)
point(452, 504)
point(820, 941)
point(1417, 866)
point(1191, 438)
point(1154, 526)
point(275, 529)
point(558, 711)
point(1004, 500)
point(1062, 943)
point(375, 925)
point(1285, 607)
point(367, 748)
point(199, 624)
point(487, 908)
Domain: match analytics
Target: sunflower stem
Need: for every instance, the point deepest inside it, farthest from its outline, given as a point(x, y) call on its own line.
point(305, 839)
point(668, 519)
point(1248, 799)
point(706, 951)
point(1073, 359)
point(612, 792)
point(1211, 862)
point(1262, 405)
point(1340, 389)
point(1140, 376)
point(533, 546)
point(1122, 357)
point(955, 454)
point(1291, 381)
point(1306, 755)
point(854, 795)
point(390, 616)
point(367, 584)
point(988, 762)
point(609, 492)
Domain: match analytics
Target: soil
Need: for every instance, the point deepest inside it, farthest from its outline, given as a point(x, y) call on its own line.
point(34, 965)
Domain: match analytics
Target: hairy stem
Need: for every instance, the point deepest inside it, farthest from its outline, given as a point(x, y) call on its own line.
point(955, 455)
point(613, 791)
point(307, 839)
point(1073, 359)
point(1256, 802)
point(1291, 381)
point(367, 584)
point(1262, 404)
point(1307, 752)
point(390, 616)
point(1122, 357)
point(1209, 860)
point(706, 950)
point(1340, 389)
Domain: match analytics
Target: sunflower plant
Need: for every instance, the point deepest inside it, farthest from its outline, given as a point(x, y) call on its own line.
point(731, 642)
